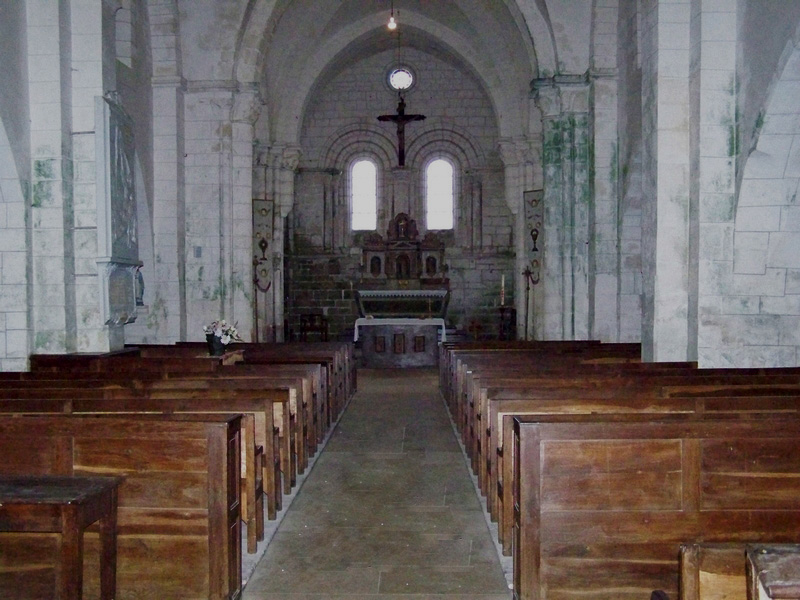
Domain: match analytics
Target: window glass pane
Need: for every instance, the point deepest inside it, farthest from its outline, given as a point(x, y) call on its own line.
point(364, 190)
point(439, 199)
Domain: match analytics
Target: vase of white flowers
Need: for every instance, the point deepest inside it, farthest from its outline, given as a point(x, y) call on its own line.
point(218, 335)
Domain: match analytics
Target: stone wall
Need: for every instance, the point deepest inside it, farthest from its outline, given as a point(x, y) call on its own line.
point(754, 317)
point(460, 124)
point(14, 185)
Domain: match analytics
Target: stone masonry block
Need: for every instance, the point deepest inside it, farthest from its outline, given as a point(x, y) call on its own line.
point(716, 277)
point(793, 281)
point(16, 321)
point(768, 161)
point(13, 268)
point(747, 357)
point(730, 305)
point(785, 123)
point(771, 283)
point(716, 240)
point(722, 331)
point(750, 253)
point(768, 192)
point(793, 161)
point(784, 97)
point(782, 305)
point(784, 249)
point(717, 208)
point(758, 218)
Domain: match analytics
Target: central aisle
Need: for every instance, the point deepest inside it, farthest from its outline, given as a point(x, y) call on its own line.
point(389, 508)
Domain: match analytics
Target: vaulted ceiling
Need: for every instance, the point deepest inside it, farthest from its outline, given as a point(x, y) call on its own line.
point(302, 43)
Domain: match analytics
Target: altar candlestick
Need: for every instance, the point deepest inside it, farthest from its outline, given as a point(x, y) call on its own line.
point(502, 290)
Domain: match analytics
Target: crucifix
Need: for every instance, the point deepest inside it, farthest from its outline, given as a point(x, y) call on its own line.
point(401, 118)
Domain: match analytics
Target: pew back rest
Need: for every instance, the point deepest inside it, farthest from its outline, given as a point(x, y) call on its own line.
point(603, 505)
point(178, 519)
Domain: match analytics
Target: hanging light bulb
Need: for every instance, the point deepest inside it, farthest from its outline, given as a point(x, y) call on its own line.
point(392, 24)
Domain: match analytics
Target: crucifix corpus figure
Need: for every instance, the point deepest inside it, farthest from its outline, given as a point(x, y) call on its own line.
point(401, 118)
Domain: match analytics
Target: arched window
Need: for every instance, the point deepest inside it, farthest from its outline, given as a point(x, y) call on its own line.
point(439, 195)
point(364, 195)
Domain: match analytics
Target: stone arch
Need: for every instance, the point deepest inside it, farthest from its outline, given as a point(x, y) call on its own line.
point(764, 291)
point(285, 116)
point(359, 138)
point(459, 144)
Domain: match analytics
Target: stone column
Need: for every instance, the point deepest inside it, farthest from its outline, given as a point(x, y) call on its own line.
point(605, 266)
point(49, 75)
point(566, 162)
point(666, 214)
point(246, 108)
point(285, 163)
point(517, 156)
point(166, 319)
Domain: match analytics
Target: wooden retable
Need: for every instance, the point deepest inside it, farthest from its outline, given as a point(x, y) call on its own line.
point(66, 505)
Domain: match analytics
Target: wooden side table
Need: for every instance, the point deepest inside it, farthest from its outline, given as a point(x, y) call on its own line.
point(66, 505)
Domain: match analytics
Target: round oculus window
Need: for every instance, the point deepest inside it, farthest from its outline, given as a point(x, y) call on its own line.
point(401, 79)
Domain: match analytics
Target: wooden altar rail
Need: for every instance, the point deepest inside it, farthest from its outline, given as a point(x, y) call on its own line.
point(178, 527)
point(602, 505)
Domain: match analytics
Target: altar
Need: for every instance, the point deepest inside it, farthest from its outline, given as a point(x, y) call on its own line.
point(400, 342)
point(400, 328)
point(402, 298)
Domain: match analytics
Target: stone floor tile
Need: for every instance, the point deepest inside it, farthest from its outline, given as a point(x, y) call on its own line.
point(389, 509)
point(442, 580)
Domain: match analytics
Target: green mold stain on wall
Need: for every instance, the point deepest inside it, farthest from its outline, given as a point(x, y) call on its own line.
point(614, 166)
point(157, 313)
point(42, 193)
point(50, 340)
point(44, 168)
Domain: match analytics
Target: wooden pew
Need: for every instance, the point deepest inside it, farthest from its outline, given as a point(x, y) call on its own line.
point(598, 393)
point(178, 527)
point(261, 427)
point(497, 462)
point(32, 506)
point(739, 571)
point(144, 370)
point(293, 450)
point(601, 507)
point(183, 363)
point(773, 571)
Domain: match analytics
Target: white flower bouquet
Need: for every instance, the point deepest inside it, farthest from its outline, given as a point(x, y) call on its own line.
point(225, 332)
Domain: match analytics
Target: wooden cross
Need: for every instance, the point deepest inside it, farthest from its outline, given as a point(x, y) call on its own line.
point(401, 118)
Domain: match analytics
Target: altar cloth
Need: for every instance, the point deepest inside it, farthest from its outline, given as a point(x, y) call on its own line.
point(366, 322)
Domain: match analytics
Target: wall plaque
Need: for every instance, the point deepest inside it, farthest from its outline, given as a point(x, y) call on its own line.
point(117, 239)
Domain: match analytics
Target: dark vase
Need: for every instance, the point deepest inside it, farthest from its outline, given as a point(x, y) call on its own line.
point(215, 345)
